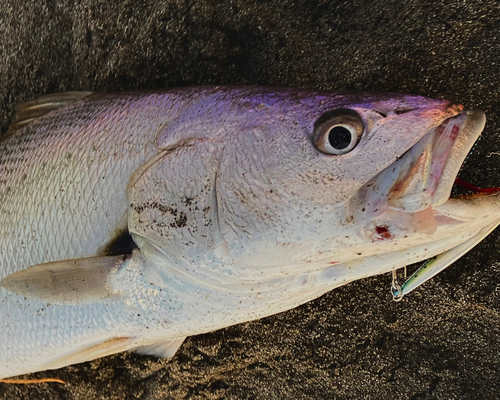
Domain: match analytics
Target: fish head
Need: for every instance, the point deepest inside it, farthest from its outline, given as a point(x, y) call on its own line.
point(299, 180)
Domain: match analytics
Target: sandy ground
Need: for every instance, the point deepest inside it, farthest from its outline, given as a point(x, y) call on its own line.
point(442, 341)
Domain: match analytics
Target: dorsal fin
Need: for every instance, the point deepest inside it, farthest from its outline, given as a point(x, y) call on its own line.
point(31, 110)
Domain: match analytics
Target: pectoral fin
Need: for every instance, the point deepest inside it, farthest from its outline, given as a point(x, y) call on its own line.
point(66, 282)
point(162, 349)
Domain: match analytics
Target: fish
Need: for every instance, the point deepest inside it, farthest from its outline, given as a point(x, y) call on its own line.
point(130, 221)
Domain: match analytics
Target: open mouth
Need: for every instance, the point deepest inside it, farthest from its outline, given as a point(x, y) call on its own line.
point(451, 143)
point(427, 172)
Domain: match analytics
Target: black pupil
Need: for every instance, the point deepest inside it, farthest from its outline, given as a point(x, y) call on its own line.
point(339, 137)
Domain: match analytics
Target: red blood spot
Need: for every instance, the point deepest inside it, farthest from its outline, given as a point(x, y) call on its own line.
point(333, 262)
point(383, 232)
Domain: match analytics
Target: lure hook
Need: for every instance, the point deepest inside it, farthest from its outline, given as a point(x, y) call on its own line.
point(397, 293)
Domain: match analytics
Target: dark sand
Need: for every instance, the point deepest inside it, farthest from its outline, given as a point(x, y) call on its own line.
point(442, 341)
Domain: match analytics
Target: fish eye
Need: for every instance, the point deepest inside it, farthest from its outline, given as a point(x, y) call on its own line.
point(338, 132)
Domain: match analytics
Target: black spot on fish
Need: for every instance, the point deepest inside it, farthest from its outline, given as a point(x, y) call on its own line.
point(180, 217)
point(180, 221)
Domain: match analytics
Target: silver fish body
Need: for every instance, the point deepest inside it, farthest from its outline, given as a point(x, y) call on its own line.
point(242, 203)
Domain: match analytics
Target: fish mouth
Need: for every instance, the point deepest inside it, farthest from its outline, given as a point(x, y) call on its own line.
point(427, 172)
point(459, 224)
point(417, 219)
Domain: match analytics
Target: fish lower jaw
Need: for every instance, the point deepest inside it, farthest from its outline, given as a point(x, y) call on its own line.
point(469, 210)
point(407, 238)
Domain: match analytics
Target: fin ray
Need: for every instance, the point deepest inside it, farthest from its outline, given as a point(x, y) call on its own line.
point(165, 349)
point(32, 110)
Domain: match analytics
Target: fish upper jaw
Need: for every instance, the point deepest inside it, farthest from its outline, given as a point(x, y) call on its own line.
point(461, 143)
